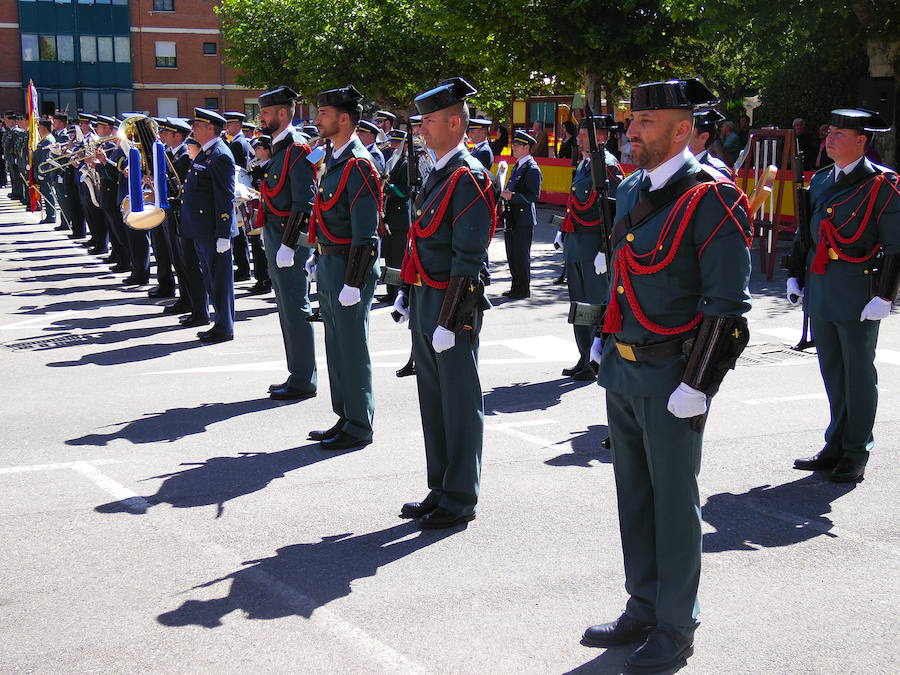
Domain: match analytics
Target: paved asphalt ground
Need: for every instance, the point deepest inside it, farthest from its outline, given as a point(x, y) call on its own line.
point(161, 514)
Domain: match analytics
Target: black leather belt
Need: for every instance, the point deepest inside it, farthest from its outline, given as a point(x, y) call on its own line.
point(651, 352)
point(333, 249)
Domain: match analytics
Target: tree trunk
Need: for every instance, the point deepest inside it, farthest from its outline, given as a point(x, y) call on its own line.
point(592, 85)
point(882, 56)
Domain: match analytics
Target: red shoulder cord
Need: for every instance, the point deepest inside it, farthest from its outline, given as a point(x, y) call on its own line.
point(829, 233)
point(575, 207)
point(412, 269)
point(627, 262)
point(321, 206)
point(266, 193)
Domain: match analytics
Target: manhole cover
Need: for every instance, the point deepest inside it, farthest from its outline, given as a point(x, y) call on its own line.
point(50, 342)
point(772, 354)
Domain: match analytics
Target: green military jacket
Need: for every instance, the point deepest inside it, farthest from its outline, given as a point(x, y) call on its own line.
point(708, 274)
point(863, 203)
point(584, 241)
point(42, 153)
point(297, 190)
point(348, 215)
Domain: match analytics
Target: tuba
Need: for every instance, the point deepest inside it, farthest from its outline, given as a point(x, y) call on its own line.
point(142, 133)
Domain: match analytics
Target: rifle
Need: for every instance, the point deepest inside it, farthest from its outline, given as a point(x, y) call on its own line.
point(412, 166)
point(601, 184)
point(795, 261)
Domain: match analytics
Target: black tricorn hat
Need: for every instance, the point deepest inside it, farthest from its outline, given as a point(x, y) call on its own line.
point(341, 97)
point(603, 122)
point(707, 120)
point(860, 119)
point(280, 96)
point(673, 94)
point(449, 92)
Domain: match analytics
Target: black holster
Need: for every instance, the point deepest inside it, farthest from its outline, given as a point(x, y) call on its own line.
point(888, 277)
point(715, 350)
point(296, 225)
point(460, 307)
point(360, 261)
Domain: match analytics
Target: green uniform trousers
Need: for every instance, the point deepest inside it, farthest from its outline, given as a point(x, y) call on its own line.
point(292, 298)
point(452, 410)
point(656, 460)
point(585, 285)
point(347, 347)
point(846, 351)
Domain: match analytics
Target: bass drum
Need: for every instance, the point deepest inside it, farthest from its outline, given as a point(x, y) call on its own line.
point(147, 219)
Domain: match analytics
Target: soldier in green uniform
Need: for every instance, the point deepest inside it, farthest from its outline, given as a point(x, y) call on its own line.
point(286, 195)
point(852, 276)
point(454, 220)
point(396, 210)
point(17, 188)
point(705, 134)
point(344, 227)
point(20, 156)
point(45, 183)
point(674, 326)
point(582, 239)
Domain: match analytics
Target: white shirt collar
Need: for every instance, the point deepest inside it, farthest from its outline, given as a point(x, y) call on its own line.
point(846, 169)
point(238, 135)
point(263, 162)
point(442, 162)
point(661, 174)
point(178, 149)
point(699, 157)
point(523, 160)
point(284, 132)
point(481, 144)
point(211, 142)
point(337, 152)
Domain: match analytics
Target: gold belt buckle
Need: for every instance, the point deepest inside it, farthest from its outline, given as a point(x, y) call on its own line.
point(626, 351)
point(832, 254)
point(319, 248)
point(418, 281)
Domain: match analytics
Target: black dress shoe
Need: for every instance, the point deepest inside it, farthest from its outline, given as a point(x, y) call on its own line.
point(848, 470)
point(605, 443)
point(327, 433)
point(213, 336)
point(569, 372)
point(280, 385)
point(260, 288)
point(419, 509)
point(290, 394)
point(161, 292)
point(315, 316)
point(585, 374)
point(825, 460)
point(408, 369)
point(177, 308)
point(62, 227)
point(120, 267)
point(561, 279)
point(441, 518)
point(506, 294)
point(242, 276)
point(343, 441)
point(96, 250)
point(46, 221)
point(622, 631)
point(135, 281)
point(663, 650)
point(519, 296)
point(193, 321)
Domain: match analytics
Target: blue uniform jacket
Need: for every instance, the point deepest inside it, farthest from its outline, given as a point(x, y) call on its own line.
point(241, 151)
point(525, 184)
point(207, 209)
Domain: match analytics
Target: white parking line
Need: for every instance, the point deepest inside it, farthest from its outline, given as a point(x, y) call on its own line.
point(53, 467)
point(130, 500)
point(53, 316)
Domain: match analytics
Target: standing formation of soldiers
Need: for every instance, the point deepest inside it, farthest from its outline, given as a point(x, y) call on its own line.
point(658, 288)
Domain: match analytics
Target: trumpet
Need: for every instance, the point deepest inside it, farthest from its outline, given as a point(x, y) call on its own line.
point(64, 160)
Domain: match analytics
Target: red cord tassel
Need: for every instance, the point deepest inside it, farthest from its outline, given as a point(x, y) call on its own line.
point(820, 261)
point(613, 321)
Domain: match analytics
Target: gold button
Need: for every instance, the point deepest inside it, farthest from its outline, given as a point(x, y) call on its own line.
point(419, 213)
point(321, 189)
point(265, 175)
point(828, 210)
point(660, 247)
point(275, 176)
point(568, 210)
point(573, 189)
point(432, 211)
point(629, 237)
point(865, 271)
point(201, 210)
point(620, 290)
point(330, 195)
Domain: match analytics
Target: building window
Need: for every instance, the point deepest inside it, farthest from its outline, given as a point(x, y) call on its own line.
point(165, 55)
point(88, 48)
point(251, 109)
point(209, 48)
point(124, 102)
point(163, 5)
point(65, 48)
point(90, 101)
point(105, 49)
point(122, 48)
point(167, 107)
point(29, 47)
point(47, 47)
point(211, 103)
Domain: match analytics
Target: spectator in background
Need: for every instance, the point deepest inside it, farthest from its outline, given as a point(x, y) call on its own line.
point(731, 143)
point(542, 146)
point(821, 155)
point(568, 149)
point(743, 130)
point(499, 144)
point(807, 144)
point(626, 144)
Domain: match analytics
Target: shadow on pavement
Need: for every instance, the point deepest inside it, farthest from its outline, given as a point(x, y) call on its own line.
point(766, 516)
point(612, 662)
point(134, 354)
point(301, 578)
point(522, 397)
point(176, 423)
point(586, 449)
point(221, 479)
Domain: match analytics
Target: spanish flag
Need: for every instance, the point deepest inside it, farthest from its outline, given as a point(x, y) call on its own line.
point(33, 138)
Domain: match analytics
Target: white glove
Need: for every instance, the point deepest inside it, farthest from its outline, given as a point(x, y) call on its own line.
point(442, 339)
point(401, 308)
point(311, 265)
point(876, 310)
point(284, 256)
point(600, 263)
point(348, 296)
point(686, 402)
point(794, 292)
point(558, 240)
point(222, 245)
point(596, 350)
